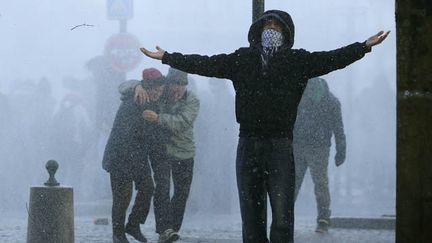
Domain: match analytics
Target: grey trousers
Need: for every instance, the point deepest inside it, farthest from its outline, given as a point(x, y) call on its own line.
point(316, 159)
point(169, 211)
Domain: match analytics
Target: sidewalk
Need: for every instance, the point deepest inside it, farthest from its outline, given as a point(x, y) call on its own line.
point(199, 229)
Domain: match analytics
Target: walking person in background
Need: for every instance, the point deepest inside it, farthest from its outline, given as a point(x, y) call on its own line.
point(177, 115)
point(269, 78)
point(319, 117)
point(105, 79)
point(132, 141)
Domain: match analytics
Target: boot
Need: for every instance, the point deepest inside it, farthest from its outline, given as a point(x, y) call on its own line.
point(120, 238)
point(134, 230)
point(322, 226)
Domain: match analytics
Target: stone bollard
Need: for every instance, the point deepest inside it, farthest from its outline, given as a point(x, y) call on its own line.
point(51, 215)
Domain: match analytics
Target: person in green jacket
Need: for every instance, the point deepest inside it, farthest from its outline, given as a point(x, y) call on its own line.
point(177, 114)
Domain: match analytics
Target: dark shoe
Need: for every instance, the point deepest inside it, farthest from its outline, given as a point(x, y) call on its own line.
point(120, 239)
point(174, 236)
point(135, 232)
point(322, 226)
point(168, 236)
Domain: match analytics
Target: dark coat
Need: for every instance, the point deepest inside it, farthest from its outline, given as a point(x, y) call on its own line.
point(267, 99)
point(132, 138)
point(319, 118)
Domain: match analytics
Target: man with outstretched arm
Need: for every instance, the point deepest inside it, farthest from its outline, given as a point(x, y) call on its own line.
point(269, 78)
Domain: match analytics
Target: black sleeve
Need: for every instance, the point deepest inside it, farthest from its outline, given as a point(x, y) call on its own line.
point(323, 62)
point(219, 66)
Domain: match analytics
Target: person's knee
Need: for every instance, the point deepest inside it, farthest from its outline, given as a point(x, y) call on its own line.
point(162, 187)
point(145, 186)
point(185, 184)
point(282, 223)
point(148, 189)
point(161, 179)
point(321, 186)
point(121, 203)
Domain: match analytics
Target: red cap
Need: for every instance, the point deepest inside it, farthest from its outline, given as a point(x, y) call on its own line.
point(151, 73)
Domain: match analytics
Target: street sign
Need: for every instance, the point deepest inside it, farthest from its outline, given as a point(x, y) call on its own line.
point(119, 9)
point(123, 51)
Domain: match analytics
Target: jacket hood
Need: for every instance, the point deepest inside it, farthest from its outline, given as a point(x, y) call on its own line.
point(317, 89)
point(176, 76)
point(254, 35)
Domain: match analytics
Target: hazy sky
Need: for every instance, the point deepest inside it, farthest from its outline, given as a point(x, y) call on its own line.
point(37, 40)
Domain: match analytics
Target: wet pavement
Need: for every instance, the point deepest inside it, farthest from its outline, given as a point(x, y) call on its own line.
point(198, 229)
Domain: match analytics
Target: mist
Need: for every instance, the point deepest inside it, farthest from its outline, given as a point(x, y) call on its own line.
point(55, 105)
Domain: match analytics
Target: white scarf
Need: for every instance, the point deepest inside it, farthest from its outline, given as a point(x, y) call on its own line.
point(271, 40)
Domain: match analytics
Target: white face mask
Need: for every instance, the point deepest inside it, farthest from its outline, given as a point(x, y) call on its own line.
point(271, 38)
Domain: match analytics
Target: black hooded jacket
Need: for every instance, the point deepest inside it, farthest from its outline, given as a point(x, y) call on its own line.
point(267, 100)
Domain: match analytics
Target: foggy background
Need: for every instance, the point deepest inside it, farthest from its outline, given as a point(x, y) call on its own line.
point(57, 101)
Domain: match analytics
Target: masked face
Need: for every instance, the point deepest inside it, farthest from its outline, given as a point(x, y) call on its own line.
point(272, 34)
point(271, 38)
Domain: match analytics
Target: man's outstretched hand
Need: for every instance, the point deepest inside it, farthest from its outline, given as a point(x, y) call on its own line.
point(155, 55)
point(377, 39)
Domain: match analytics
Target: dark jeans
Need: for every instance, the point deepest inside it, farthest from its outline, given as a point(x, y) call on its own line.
point(121, 185)
point(266, 167)
point(169, 211)
point(317, 160)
